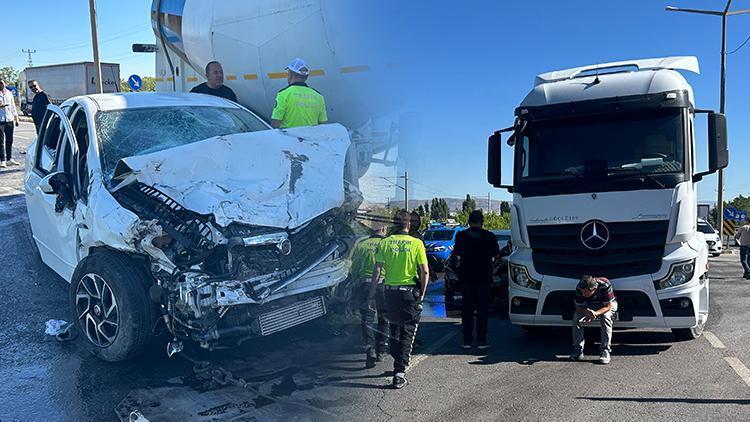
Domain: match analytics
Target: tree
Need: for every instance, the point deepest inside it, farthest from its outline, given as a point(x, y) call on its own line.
point(426, 208)
point(504, 207)
point(420, 211)
point(9, 75)
point(492, 221)
point(469, 204)
point(148, 85)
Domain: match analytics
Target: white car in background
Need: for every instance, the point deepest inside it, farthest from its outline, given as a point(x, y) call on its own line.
point(187, 210)
point(713, 239)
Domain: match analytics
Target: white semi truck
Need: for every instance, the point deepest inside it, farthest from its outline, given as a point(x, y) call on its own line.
point(604, 183)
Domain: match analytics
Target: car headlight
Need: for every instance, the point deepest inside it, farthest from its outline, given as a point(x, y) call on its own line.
point(438, 248)
point(520, 276)
point(679, 273)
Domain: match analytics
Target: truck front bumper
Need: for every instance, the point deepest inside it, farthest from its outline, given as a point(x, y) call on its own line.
point(640, 304)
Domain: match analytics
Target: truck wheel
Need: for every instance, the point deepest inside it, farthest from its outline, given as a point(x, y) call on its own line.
point(684, 334)
point(110, 301)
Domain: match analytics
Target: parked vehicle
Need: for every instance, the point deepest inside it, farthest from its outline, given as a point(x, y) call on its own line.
point(439, 244)
point(605, 184)
point(713, 238)
point(63, 81)
point(187, 210)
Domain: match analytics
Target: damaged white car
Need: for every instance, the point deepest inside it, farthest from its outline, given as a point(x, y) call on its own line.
point(190, 211)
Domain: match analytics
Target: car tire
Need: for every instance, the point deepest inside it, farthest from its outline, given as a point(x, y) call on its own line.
point(119, 333)
point(684, 334)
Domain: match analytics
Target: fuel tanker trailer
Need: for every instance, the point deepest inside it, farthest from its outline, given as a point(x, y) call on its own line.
point(352, 64)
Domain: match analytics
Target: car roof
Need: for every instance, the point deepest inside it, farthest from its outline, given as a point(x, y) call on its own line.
point(504, 232)
point(131, 100)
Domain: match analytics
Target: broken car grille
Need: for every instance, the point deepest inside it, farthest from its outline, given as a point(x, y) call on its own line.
point(186, 227)
point(308, 245)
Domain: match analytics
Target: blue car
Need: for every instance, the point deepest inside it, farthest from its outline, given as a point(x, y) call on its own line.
point(439, 242)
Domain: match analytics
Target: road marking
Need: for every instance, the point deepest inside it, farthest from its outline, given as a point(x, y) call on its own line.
point(431, 349)
point(740, 369)
point(715, 342)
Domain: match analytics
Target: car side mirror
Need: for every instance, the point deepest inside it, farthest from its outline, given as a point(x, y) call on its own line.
point(718, 152)
point(58, 183)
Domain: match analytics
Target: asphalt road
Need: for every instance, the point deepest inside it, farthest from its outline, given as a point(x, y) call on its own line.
point(315, 372)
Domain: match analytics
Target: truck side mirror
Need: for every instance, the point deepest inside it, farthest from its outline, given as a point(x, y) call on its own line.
point(494, 155)
point(718, 153)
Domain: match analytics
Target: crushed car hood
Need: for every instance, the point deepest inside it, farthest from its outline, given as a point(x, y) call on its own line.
point(275, 178)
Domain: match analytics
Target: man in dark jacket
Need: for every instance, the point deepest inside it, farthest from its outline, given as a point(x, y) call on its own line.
point(476, 248)
point(39, 104)
point(214, 84)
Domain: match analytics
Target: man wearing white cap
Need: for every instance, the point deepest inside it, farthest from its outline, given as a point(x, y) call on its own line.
point(298, 104)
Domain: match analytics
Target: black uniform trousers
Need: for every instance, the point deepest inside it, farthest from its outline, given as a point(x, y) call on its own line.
point(6, 140)
point(374, 323)
point(476, 298)
point(403, 317)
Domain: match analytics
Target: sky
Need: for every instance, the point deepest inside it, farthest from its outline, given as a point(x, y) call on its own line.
point(475, 63)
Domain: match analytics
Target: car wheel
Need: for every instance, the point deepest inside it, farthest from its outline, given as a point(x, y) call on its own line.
point(110, 301)
point(684, 334)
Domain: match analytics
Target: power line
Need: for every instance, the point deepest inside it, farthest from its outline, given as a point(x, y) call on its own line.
point(741, 45)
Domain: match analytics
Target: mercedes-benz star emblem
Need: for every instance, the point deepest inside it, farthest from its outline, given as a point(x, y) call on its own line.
point(594, 235)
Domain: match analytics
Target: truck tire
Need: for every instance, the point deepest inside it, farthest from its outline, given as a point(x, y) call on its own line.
point(111, 306)
point(684, 334)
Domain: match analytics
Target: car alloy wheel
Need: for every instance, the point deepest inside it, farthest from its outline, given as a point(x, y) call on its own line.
point(96, 309)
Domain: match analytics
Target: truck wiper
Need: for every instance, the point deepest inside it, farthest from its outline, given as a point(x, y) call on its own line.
point(635, 171)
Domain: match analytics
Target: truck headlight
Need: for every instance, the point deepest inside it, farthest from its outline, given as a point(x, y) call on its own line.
point(520, 276)
point(679, 273)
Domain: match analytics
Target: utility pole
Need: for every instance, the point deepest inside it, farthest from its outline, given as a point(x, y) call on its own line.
point(722, 96)
point(406, 191)
point(95, 43)
point(489, 203)
point(29, 52)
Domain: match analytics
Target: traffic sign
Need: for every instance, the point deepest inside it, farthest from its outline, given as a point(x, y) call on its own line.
point(741, 216)
point(135, 82)
point(728, 228)
point(13, 89)
point(729, 213)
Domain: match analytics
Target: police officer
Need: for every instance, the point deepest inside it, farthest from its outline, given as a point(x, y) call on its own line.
point(401, 257)
point(363, 262)
point(298, 104)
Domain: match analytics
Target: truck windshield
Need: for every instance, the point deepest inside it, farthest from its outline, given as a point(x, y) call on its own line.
point(624, 144)
point(139, 131)
point(438, 235)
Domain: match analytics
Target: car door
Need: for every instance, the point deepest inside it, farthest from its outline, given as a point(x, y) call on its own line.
point(54, 229)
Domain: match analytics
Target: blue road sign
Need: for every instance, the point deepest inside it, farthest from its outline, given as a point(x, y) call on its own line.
point(135, 82)
point(741, 216)
point(13, 89)
point(729, 213)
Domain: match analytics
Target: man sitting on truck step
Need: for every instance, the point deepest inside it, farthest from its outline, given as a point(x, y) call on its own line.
point(594, 299)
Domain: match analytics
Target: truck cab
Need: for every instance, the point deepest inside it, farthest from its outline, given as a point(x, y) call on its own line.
point(604, 184)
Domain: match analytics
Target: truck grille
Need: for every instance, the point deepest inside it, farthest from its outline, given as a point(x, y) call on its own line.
point(289, 316)
point(634, 248)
